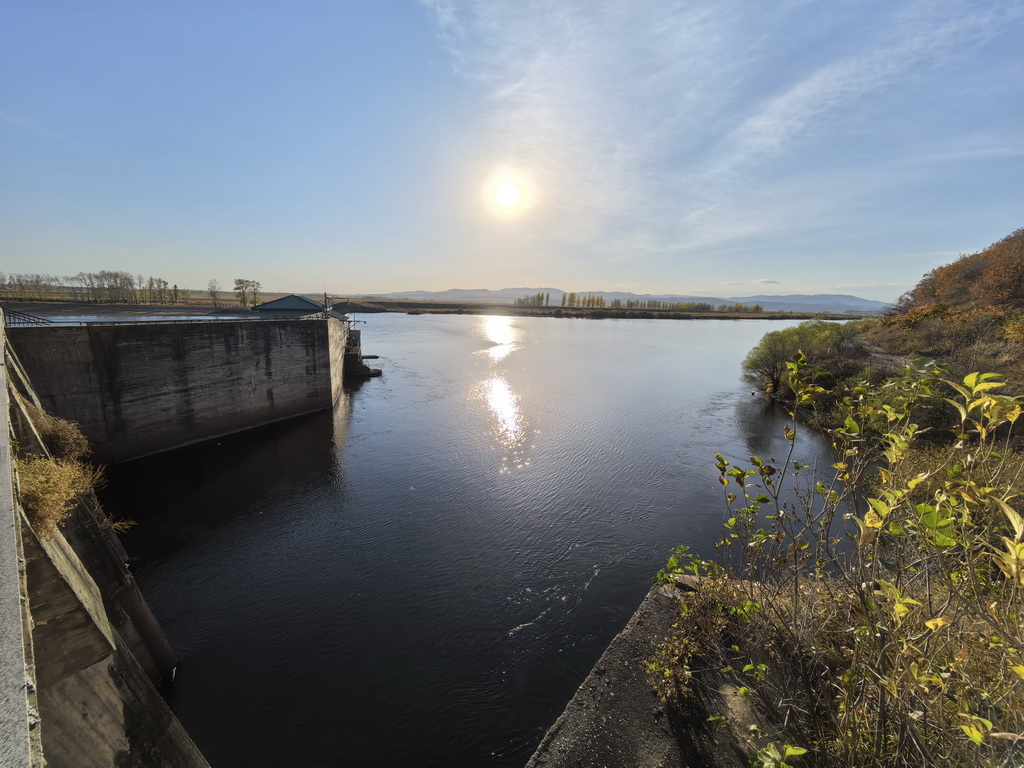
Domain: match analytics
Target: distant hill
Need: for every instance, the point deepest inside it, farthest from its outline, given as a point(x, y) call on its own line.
point(818, 302)
point(824, 302)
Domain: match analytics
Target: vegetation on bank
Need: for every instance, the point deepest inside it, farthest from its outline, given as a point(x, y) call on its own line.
point(969, 314)
point(876, 616)
point(875, 610)
point(50, 486)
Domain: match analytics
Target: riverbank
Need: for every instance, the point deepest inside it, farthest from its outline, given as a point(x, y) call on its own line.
point(509, 310)
point(377, 306)
point(617, 720)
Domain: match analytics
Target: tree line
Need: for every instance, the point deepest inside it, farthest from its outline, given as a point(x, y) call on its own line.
point(103, 287)
point(534, 300)
point(114, 287)
point(573, 299)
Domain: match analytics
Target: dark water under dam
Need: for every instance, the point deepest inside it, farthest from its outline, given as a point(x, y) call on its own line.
point(424, 576)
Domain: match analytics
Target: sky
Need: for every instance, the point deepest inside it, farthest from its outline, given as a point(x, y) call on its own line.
point(723, 148)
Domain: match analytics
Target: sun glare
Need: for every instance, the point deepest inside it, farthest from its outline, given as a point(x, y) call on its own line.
point(507, 193)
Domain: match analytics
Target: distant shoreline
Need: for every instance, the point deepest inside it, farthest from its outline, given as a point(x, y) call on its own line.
point(466, 308)
point(53, 308)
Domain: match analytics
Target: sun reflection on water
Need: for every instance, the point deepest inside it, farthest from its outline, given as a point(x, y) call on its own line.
point(502, 334)
point(503, 403)
point(504, 406)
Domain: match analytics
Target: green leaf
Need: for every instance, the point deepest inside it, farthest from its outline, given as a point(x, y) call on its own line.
point(1013, 516)
point(960, 408)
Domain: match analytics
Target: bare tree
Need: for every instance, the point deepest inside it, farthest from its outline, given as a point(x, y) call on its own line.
point(212, 288)
point(248, 291)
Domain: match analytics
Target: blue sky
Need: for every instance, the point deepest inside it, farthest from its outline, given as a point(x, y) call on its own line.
point(717, 148)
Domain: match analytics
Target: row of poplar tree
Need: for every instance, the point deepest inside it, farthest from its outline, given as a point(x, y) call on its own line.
point(597, 301)
point(114, 287)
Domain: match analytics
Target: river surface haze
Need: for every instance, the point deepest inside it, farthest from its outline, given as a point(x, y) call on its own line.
point(425, 575)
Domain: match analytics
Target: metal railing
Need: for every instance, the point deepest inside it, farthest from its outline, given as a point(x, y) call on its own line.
point(23, 318)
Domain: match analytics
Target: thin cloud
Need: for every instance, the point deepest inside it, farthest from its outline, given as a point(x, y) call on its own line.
point(40, 130)
point(670, 130)
point(754, 282)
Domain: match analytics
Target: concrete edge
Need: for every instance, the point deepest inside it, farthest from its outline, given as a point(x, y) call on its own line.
point(616, 720)
point(18, 718)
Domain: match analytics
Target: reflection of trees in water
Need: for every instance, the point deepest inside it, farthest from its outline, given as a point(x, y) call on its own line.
point(761, 427)
point(761, 423)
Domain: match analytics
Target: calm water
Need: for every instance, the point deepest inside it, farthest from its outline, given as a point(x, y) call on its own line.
point(424, 576)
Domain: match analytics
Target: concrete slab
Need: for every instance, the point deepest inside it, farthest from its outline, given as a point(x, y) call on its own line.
point(616, 720)
point(15, 714)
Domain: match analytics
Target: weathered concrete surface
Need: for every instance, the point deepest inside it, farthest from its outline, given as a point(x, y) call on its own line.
point(615, 720)
point(355, 368)
point(90, 536)
point(337, 341)
point(137, 389)
point(74, 629)
point(98, 708)
point(18, 719)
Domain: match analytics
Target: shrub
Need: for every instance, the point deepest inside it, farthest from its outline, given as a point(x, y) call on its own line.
point(63, 439)
point(48, 488)
point(883, 628)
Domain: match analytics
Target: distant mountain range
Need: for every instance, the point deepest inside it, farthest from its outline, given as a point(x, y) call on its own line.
point(821, 302)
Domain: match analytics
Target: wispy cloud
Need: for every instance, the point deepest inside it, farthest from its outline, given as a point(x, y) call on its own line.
point(659, 129)
point(754, 282)
point(30, 126)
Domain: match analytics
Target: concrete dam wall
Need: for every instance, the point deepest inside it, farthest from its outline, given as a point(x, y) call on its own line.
point(80, 651)
point(137, 389)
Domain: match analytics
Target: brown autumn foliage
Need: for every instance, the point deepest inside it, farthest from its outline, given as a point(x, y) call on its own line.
point(50, 486)
point(63, 439)
point(48, 489)
point(969, 313)
point(994, 276)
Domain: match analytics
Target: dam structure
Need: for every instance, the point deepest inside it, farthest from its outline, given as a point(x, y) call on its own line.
point(81, 655)
point(141, 388)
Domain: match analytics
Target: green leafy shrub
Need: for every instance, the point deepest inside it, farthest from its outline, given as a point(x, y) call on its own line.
point(830, 343)
point(876, 612)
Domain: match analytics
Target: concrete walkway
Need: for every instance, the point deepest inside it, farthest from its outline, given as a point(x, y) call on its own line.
point(16, 716)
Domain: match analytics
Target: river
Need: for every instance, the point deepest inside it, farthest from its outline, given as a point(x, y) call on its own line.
point(424, 576)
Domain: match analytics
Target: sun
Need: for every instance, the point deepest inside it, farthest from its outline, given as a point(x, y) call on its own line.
point(507, 194)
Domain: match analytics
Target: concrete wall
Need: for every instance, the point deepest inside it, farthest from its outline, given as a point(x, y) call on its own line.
point(79, 648)
point(337, 339)
point(97, 706)
point(19, 721)
point(137, 389)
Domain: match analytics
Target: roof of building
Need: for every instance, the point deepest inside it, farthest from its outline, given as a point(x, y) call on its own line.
point(292, 302)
